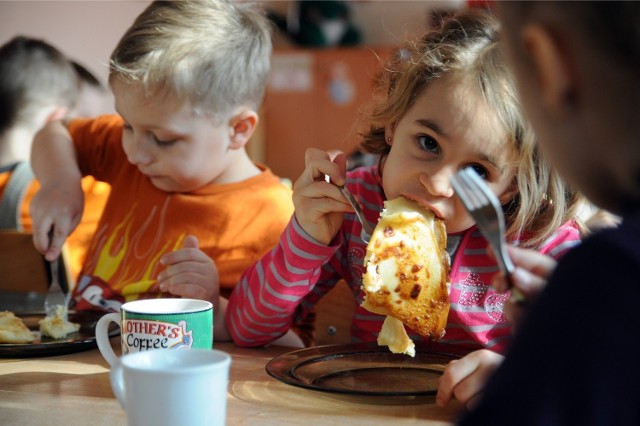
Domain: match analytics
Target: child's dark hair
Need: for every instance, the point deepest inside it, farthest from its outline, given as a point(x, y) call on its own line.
point(33, 74)
point(86, 76)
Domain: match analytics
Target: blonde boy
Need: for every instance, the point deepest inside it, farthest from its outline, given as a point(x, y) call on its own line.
point(187, 78)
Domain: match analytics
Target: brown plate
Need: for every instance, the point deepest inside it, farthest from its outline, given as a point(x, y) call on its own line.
point(82, 340)
point(363, 373)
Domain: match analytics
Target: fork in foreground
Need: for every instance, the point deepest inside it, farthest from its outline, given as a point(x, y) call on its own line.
point(55, 296)
point(484, 207)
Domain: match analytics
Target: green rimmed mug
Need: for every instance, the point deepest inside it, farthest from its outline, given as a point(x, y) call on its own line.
point(158, 324)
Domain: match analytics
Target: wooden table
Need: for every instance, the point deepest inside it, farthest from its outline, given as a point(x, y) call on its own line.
point(74, 389)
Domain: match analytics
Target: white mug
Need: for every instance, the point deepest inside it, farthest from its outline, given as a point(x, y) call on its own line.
point(168, 387)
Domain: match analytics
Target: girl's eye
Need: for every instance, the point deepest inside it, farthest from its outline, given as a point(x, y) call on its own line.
point(427, 143)
point(481, 171)
point(126, 126)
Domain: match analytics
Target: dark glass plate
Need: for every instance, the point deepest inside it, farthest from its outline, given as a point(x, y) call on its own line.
point(364, 373)
point(82, 340)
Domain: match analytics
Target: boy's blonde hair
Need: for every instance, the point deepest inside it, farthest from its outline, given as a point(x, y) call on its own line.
point(210, 54)
point(467, 46)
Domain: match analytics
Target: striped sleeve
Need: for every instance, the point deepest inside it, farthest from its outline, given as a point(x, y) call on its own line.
point(564, 239)
point(262, 306)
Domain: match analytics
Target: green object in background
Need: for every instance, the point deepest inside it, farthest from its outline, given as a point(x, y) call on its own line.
point(319, 24)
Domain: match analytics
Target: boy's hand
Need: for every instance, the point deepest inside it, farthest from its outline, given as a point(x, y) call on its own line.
point(55, 211)
point(190, 273)
point(319, 205)
point(465, 378)
point(532, 270)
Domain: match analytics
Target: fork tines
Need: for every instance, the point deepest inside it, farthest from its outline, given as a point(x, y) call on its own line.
point(483, 205)
point(474, 193)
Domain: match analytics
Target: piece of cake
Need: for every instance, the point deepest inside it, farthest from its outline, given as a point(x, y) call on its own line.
point(57, 326)
point(407, 273)
point(13, 330)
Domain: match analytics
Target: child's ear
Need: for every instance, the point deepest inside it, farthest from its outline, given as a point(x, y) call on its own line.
point(241, 127)
point(388, 134)
point(555, 78)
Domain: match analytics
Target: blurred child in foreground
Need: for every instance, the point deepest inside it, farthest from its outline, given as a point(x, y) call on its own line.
point(574, 360)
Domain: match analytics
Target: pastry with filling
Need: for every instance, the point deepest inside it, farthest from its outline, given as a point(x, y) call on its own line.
point(13, 330)
point(57, 326)
point(407, 274)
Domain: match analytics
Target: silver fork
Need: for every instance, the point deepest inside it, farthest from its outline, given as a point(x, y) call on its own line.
point(55, 295)
point(484, 207)
point(367, 229)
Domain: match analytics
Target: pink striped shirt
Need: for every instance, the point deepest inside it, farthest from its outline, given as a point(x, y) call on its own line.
point(286, 283)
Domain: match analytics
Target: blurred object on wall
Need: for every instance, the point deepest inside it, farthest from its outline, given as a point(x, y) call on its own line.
point(482, 4)
point(311, 23)
point(341, 86)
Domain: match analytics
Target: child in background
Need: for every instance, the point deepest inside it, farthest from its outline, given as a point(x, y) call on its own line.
point(574, 360)
point(93, 99)
point(188, 210)
point(37, 85)
point(447, 102)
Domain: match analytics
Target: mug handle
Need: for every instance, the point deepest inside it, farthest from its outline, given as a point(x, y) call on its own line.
point(102, 337)
point(116, 376)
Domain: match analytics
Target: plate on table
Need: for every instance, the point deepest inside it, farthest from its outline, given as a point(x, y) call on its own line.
point(364, 373)
point(82, 340)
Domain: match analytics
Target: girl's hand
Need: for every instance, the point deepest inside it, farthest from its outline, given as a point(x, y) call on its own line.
point(55, 212)
point(319, 205)
point(190, 273)
point(465, 378)
point(530, 277)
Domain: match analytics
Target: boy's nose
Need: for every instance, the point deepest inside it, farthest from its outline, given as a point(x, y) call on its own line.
point(136, 152)
point(437, 184)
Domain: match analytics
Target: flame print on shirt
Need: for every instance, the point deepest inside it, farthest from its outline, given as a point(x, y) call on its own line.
point(127, 256)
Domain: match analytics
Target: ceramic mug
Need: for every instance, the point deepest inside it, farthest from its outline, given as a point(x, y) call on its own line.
point(166, 387)
point(158, 324)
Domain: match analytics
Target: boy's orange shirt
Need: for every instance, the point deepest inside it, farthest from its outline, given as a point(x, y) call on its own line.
point(235, 223)
point(95, 196)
